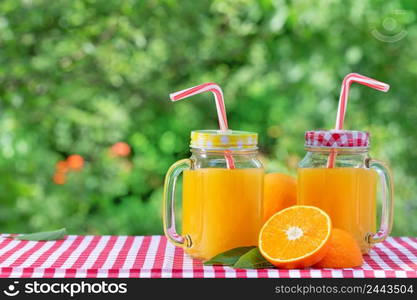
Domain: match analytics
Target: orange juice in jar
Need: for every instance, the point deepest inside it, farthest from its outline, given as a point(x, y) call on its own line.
point(221, 205)
point(346, 190)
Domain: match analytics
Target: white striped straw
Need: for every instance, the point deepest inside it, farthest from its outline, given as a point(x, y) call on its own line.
point(343, 99)
point(221, 108)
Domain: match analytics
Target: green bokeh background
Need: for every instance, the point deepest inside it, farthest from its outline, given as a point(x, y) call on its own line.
point(78, 76)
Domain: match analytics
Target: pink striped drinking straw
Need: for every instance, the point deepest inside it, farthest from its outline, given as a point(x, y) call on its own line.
point(343, 99)
point(221, 108)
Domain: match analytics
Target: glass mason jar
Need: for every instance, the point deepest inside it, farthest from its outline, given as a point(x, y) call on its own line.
point(338, 176)
point(221, 194)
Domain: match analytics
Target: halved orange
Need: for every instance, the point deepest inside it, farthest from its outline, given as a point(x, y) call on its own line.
point(295, 237)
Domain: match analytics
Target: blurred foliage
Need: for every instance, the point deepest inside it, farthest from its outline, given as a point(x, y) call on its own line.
point(78, 76)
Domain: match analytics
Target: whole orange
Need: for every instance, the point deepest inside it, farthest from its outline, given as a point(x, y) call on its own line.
point(344, 251)
point(280, 191)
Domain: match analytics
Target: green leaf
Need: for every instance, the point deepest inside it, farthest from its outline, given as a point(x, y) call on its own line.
point(228, 258)
point(252, 260)
point(43, 236)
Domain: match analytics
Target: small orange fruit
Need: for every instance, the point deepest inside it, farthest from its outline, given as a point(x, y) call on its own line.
point(59, 178)
point(295, 237)
point(62, 166)
point(280, 191)
point(120, 149)
point(344, 251)
point(75, 162)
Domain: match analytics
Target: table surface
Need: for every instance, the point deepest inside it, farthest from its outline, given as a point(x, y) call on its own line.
point(153, 256)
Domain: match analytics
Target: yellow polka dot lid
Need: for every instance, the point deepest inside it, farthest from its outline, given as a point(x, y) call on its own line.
point(222, 140)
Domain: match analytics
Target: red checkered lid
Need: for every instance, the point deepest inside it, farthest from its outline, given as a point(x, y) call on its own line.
point(337, 138)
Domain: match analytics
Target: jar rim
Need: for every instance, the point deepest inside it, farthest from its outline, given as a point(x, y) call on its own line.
point(222, 150)
point(330, 148)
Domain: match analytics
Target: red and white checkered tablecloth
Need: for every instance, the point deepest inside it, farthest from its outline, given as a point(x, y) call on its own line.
point(153, 256)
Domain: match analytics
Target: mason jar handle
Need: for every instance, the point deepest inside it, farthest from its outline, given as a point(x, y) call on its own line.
point(169, 203)
point(387, 201)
